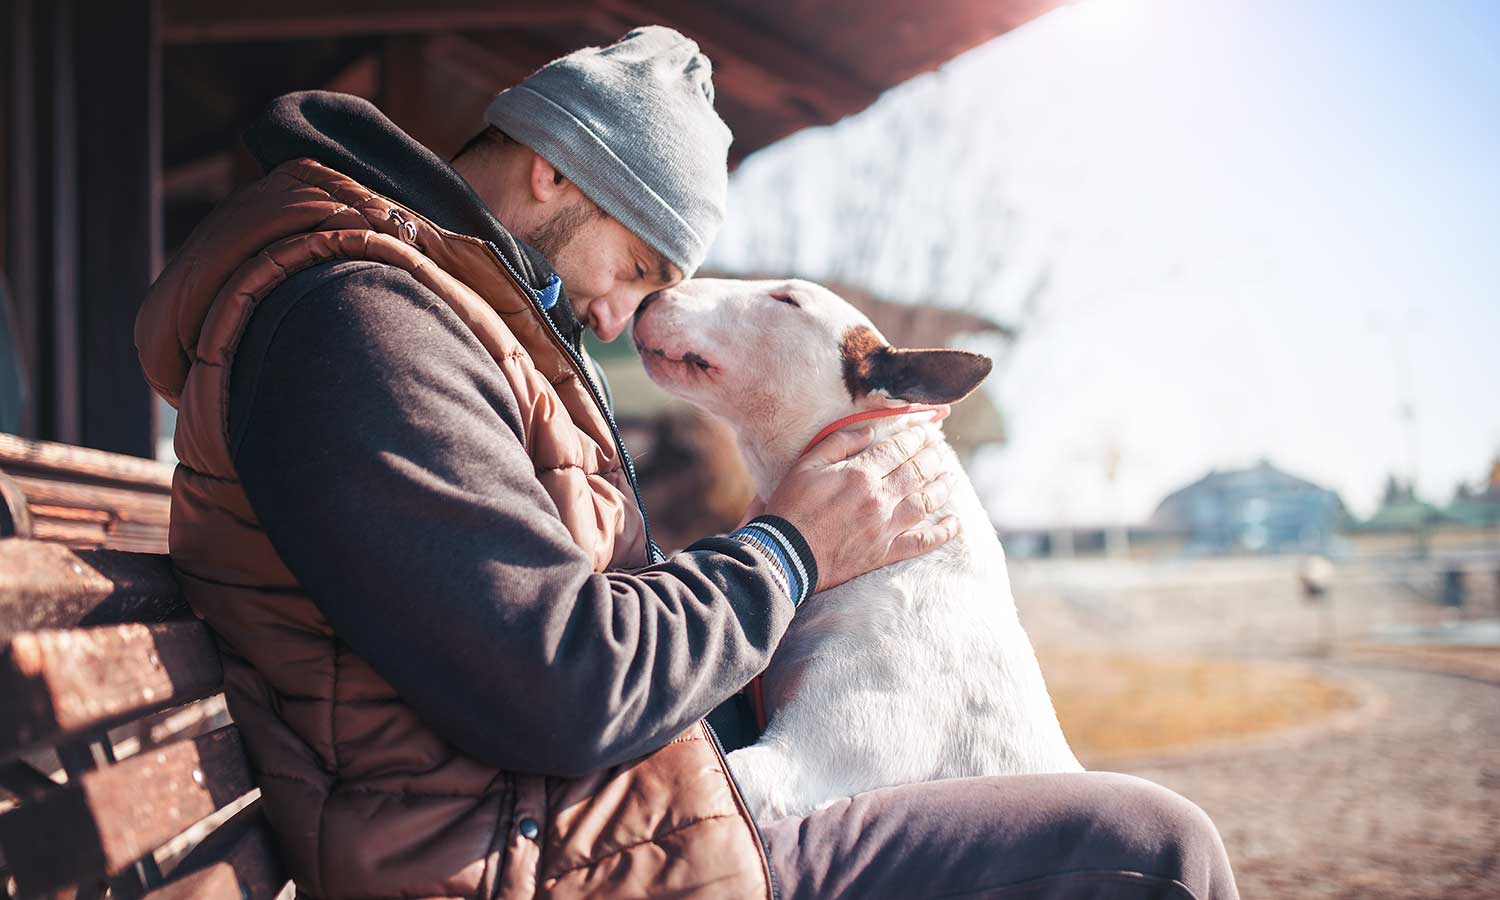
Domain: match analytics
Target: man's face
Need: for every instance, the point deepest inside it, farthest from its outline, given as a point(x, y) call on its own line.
point(605, 268)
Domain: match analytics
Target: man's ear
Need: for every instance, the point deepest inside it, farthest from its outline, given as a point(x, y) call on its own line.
point(546, 182)
point(916, 376)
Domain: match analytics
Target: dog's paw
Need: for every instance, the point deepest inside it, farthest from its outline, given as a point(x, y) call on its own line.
point(763, 774)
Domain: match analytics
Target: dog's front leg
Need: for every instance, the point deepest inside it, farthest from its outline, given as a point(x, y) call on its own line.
point(769, 779)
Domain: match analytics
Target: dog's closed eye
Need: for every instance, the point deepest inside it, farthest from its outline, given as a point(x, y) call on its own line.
point(785, 297)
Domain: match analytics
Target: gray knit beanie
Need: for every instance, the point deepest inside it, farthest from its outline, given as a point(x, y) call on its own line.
point(633, 125)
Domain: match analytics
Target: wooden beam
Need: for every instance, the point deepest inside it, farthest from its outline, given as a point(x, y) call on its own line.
point(478, 66)
point(196, 22)
point(760, 66)
point(360, 78)
point(403, 87)
point(119, 179)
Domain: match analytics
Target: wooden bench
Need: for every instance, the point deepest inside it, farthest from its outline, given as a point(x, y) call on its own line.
point(121, 774)
point(83, 498)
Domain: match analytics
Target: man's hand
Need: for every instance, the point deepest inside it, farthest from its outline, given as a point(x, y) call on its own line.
point(860, 512)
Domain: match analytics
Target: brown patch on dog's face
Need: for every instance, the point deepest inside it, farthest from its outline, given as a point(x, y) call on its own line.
point(916, 376)
point(858, 348)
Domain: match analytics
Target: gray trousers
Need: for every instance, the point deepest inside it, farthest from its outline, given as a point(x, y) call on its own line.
point(1020, 837)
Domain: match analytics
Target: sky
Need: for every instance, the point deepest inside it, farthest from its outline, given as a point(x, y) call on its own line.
point(1267, 229)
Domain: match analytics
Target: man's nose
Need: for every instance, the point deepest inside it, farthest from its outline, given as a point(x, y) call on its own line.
point(612, 319)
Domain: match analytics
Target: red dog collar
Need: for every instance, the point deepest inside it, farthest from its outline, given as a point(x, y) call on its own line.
point(876, 414)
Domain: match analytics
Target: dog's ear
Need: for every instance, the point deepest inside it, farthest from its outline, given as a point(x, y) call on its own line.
point(916, 376)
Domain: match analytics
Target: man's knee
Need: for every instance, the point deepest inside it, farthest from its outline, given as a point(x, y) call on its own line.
point(1160, 833)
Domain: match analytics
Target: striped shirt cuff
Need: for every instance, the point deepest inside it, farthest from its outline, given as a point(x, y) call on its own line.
point(778, 539)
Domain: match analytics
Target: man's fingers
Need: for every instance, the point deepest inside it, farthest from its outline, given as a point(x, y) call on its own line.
point(923, 503)
point(926, 465)
point(922, 539)
point(896, 449)
point(837, 447)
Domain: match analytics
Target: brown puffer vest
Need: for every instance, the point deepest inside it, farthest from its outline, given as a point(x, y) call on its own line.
point(366, 800)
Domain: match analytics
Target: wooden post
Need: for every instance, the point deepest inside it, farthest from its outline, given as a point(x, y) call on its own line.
point(58, 215)
point(83, 209)
point(18, 137)
point(41, 240)
point(119, 185)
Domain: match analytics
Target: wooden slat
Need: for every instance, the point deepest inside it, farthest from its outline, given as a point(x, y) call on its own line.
point(90, 516)
point(44, 585)
point(175, 724)
point(69, 533)
point(60, 684)
point(113, 816)
point(85, 498)
point(15, 517)
point(113, 502)
point(23, 457)
point(237, 861)
point(25, 780)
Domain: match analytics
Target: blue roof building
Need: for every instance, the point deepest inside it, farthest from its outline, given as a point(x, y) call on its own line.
point(1257, 510)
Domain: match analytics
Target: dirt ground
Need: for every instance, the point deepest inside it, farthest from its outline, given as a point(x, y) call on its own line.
point(1336, 762)
point(1404, 804)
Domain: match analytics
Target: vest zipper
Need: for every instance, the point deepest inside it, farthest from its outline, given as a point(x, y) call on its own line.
point(760, 841)
point(653, 552)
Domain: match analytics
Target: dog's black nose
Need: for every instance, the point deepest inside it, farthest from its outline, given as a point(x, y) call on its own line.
point(649, 299)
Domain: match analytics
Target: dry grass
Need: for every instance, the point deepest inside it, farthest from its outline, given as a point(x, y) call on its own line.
point(1124, 705)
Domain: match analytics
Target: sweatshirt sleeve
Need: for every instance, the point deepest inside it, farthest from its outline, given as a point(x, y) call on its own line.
point(380, 449)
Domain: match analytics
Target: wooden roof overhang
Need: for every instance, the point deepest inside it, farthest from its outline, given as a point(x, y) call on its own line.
point(780, 65)
point(121, 126)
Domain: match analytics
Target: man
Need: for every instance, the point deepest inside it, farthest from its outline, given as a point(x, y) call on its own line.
point(460, 667)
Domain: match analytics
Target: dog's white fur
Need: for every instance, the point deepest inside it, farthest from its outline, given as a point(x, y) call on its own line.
point(916, 671)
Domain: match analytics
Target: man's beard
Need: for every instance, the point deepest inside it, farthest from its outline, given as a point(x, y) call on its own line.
point(553, 235)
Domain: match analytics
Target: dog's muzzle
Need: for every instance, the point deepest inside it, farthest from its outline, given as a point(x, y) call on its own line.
point(649, 299)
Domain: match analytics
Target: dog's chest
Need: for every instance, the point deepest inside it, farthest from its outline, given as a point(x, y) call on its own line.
point(897, 629)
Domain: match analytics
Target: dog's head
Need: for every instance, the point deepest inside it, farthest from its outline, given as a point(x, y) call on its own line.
point(778, 360)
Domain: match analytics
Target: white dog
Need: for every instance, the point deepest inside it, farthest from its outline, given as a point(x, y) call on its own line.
point(913, 672)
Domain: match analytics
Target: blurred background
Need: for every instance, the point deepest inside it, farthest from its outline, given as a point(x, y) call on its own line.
point(1233, 260)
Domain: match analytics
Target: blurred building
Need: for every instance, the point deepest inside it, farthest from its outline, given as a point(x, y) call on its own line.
point(1477, 506)
point(1256, 510)
point(1401, 510)
point(1407, 524)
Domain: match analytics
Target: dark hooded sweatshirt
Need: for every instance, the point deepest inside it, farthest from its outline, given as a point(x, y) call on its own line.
point(455, 557)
